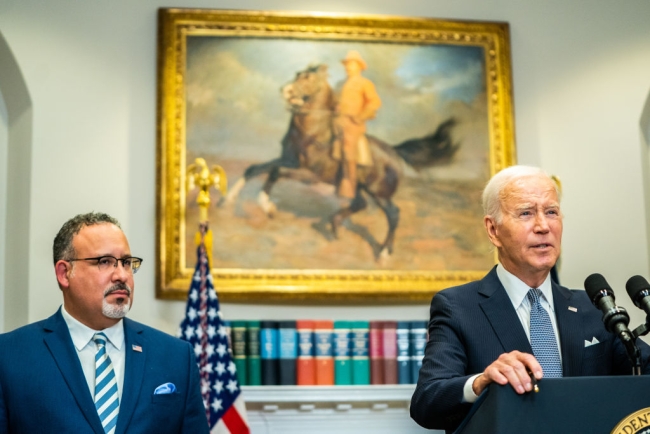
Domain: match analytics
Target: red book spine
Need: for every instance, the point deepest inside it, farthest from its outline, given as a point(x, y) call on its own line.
point(376, 351)
point(305, 362)
point(390, 352)
point(324, 352)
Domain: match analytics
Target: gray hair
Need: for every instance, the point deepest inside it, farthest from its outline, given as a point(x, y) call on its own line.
point(62, 248)
point(496, 185)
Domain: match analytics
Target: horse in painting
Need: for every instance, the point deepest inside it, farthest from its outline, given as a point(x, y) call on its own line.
point(307, 155)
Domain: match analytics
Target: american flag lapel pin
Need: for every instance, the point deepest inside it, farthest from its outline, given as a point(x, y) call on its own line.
point(573, 309)
point(137, 348)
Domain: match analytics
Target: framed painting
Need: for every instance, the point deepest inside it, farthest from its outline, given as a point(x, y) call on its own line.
point(356, 149)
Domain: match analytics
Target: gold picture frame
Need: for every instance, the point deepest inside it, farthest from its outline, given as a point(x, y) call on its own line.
point(180, 69)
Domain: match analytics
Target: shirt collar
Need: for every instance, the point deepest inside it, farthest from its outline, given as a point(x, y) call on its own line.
point(81, 334)
point(517, 290)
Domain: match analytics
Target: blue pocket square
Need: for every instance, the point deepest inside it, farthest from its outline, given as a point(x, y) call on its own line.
point(165, 389)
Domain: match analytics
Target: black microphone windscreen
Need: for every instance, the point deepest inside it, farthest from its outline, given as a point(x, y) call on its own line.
point(595, 283)
point(635, 285)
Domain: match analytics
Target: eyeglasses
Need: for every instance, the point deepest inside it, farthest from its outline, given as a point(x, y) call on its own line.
point(105, 263)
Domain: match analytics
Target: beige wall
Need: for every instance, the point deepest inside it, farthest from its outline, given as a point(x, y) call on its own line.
point(581, 77)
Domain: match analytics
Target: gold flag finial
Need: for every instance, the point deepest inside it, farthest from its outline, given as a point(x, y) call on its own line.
point(199, 175)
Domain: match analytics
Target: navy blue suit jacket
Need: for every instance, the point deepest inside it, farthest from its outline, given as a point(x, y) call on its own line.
point(473, 324)
point(43, 388)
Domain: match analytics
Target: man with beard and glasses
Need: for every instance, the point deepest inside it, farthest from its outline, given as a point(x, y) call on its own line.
point(87, 368)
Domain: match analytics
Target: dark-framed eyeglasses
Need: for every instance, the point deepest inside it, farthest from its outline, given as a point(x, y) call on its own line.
point(104, 263)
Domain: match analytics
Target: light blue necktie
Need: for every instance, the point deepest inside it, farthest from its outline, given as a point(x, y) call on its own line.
point(542, 337)
point(106, 399)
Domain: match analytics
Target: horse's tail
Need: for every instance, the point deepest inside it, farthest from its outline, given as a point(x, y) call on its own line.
point(434, 149)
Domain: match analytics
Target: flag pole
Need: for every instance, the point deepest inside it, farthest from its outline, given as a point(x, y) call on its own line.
point(203, 325)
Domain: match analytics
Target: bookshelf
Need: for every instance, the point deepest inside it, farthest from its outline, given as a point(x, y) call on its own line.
point(331, 409)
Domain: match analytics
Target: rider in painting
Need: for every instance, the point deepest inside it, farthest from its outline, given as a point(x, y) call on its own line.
point(357, 103)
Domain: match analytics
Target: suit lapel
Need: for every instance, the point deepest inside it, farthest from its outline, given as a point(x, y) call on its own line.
point(133, 373)
point(59, 343)
point(498, 309)
point(570, 330)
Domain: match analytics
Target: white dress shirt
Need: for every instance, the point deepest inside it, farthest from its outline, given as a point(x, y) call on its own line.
point(517, 292)
point(86, 349)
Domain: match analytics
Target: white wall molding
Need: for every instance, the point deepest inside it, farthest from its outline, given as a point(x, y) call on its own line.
point(15, 251)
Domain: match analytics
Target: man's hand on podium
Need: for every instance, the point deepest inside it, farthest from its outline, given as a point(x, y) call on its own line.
point(514, 368)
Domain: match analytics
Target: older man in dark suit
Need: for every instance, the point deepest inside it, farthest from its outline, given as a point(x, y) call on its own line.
point(87, 368)
point(516, 320)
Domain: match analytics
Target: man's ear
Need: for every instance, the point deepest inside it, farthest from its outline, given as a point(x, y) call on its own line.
point(492, 230)
point(63, 269)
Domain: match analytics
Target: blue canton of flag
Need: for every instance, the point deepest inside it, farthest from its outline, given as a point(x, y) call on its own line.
point(203, 328)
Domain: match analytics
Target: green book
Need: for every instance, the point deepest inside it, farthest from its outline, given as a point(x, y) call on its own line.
point(342, 360)
point(239, 350)
point(254, 364)
point(359, 350)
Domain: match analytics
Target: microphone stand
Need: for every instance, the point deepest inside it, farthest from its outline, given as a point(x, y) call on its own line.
point(634, 355)
point(617, 315)
point(633, 351)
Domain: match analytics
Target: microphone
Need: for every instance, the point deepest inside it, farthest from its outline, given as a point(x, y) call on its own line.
point(615, 318)
point(639, 291)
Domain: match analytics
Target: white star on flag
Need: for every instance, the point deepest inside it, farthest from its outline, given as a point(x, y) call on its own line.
point(222, 331)
point(221, 368)
point(221, 350)
point(232, 386)
point(216, 404)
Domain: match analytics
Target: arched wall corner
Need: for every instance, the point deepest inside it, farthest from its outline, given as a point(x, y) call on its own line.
point(18, 105)
point(644, 124)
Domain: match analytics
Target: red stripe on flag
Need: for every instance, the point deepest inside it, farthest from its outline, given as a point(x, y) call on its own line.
point(234, 421)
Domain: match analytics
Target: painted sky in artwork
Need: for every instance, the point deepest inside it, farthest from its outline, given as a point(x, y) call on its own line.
point(235, 110)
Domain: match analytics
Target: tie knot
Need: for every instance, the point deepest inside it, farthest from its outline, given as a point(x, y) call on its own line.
point(100, 339)
point(534, 295)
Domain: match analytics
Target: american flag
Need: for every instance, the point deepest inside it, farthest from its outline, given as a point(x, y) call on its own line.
point(203, 328)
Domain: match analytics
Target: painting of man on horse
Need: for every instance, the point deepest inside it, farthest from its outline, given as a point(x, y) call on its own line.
point(333, 171)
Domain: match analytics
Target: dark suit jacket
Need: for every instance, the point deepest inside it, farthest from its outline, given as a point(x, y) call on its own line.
point(473, 324)
point(43, 388)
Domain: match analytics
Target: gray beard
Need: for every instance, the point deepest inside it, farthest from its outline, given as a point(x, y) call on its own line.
point(116, 311)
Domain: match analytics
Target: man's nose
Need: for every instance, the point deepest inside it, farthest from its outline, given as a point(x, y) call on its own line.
point(541, 223)
point(120, 271)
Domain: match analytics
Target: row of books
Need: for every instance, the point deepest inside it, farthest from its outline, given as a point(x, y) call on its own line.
point(326, 352)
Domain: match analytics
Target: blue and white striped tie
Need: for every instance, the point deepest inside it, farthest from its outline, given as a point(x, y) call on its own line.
point(542, 337)
point(106, 399)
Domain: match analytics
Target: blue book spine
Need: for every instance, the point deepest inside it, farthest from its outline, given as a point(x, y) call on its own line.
point(269, 351)
point(404, 375)
point(418, 343)
point(288, 338)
